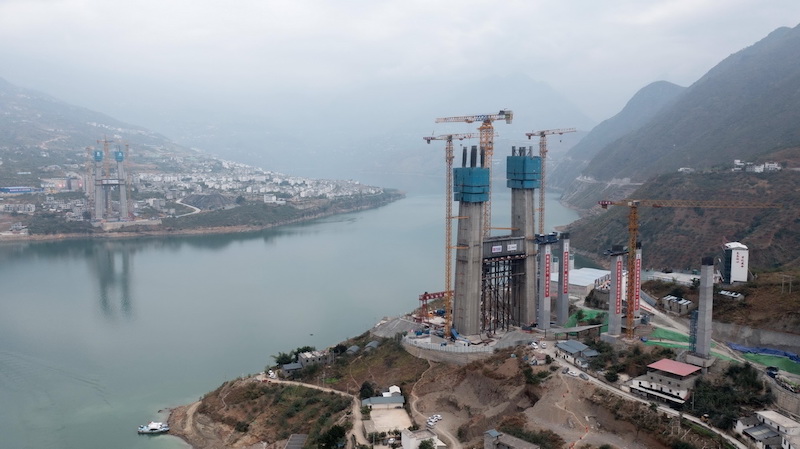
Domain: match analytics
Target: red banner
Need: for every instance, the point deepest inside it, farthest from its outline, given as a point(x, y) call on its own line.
point(637, 285)
point(565, 271)
point(547, 275)
point(618, 298)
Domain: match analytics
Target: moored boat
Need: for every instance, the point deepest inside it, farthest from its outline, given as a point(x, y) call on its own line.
point(154, 427)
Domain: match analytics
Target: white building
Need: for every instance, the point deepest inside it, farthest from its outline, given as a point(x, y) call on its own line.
point(310, 358)
point(412, 438)
point(667, 380)
point(735, 267)
point(768, 428)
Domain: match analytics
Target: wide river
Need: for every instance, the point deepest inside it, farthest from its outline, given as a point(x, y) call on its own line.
point(97, 337)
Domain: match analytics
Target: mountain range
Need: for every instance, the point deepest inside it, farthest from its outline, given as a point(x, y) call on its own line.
point(746, 107)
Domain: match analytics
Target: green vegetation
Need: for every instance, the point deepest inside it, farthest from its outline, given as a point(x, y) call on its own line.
point(530, 377)
point(260, 215)
point(49, 223)
point(723, 401)
point(546, 439)
point(677, 237)
point(783, 363)
point(367, 390)
point(427, 444)
point(255, 407)
point(283, 358)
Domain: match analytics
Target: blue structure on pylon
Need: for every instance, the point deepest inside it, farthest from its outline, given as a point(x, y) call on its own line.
point(523, 171)
point(471, 184)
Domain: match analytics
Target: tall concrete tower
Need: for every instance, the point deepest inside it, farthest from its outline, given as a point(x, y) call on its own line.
point(471, 190)
point(545, 243)
point(523, 176)
point(562, 300)
point(615, 296)
point(704, 308)
point(119, 156)
point(99, 189)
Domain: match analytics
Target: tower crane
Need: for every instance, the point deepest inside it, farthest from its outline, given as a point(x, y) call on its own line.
point(543, 155)
point(486, 131)
point(448, 248)
point(633, 233)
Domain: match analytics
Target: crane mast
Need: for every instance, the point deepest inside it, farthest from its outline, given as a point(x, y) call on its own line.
point(633, 233)
point(486, 132)
point(448, 228)
point(543, 155)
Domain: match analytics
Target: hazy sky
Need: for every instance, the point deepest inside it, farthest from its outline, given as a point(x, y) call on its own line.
point(104, 53)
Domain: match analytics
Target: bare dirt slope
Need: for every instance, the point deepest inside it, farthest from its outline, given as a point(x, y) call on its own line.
point(489, 395)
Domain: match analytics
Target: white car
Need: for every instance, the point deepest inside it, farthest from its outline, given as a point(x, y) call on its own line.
point(573, 373)
point(544, 345)
point(437, 417)
point(534, 345)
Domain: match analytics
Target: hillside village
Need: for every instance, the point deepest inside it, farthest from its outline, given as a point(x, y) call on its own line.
point(157, 192)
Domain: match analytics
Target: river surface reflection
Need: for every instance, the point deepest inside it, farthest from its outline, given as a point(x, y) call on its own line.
point(98, 336)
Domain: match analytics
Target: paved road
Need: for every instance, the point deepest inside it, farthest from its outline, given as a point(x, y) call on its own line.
point(195, 211)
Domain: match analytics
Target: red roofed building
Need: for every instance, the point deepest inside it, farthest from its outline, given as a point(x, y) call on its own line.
point(668, 381)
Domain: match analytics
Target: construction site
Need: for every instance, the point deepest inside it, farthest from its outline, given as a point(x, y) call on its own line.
point(107, 186)
point(509, 286)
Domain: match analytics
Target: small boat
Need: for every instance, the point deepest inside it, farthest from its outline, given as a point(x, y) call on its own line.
point(154, 427)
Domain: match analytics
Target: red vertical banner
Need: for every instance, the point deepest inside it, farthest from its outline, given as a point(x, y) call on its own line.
point(565, 270)
point(618, 298)
point(547, 274)
point(637, 285)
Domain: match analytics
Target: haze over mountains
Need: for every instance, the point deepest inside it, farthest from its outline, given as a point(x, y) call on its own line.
point(747, 107)
point(744, 108)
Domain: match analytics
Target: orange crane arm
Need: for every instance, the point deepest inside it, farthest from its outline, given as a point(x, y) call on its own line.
point(543, 156)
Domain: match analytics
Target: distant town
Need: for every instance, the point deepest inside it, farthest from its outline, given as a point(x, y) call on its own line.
point(152, 186)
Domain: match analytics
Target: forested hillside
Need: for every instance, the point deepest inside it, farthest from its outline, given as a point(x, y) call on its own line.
point(679, 237)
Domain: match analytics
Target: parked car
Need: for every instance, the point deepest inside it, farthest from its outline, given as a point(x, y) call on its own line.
point(565, 370)
point(573, 373)
point(772, 371)
point(544, 345)
point(584, 376)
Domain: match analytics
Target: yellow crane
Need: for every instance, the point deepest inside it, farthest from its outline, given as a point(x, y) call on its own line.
point(543, 155)
point(633, 232)
point(448, 239)
point(486, 131)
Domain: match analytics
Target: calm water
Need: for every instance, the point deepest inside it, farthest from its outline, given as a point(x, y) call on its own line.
point(97, 336)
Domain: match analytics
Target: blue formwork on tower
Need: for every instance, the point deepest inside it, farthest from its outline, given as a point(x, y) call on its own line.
point(471, 184)
point(523, 172)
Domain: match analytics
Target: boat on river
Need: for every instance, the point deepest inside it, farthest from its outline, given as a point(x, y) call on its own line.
point(154, 427)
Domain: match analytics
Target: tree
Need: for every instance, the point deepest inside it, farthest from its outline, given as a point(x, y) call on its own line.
point(283, 358)
point(367, 390)
point(332, 437)
point(427, 444)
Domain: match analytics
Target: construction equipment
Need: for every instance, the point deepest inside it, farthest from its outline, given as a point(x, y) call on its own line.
point(543, 155)
point(448, 239)
point(486, 131)
point(633, 233)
